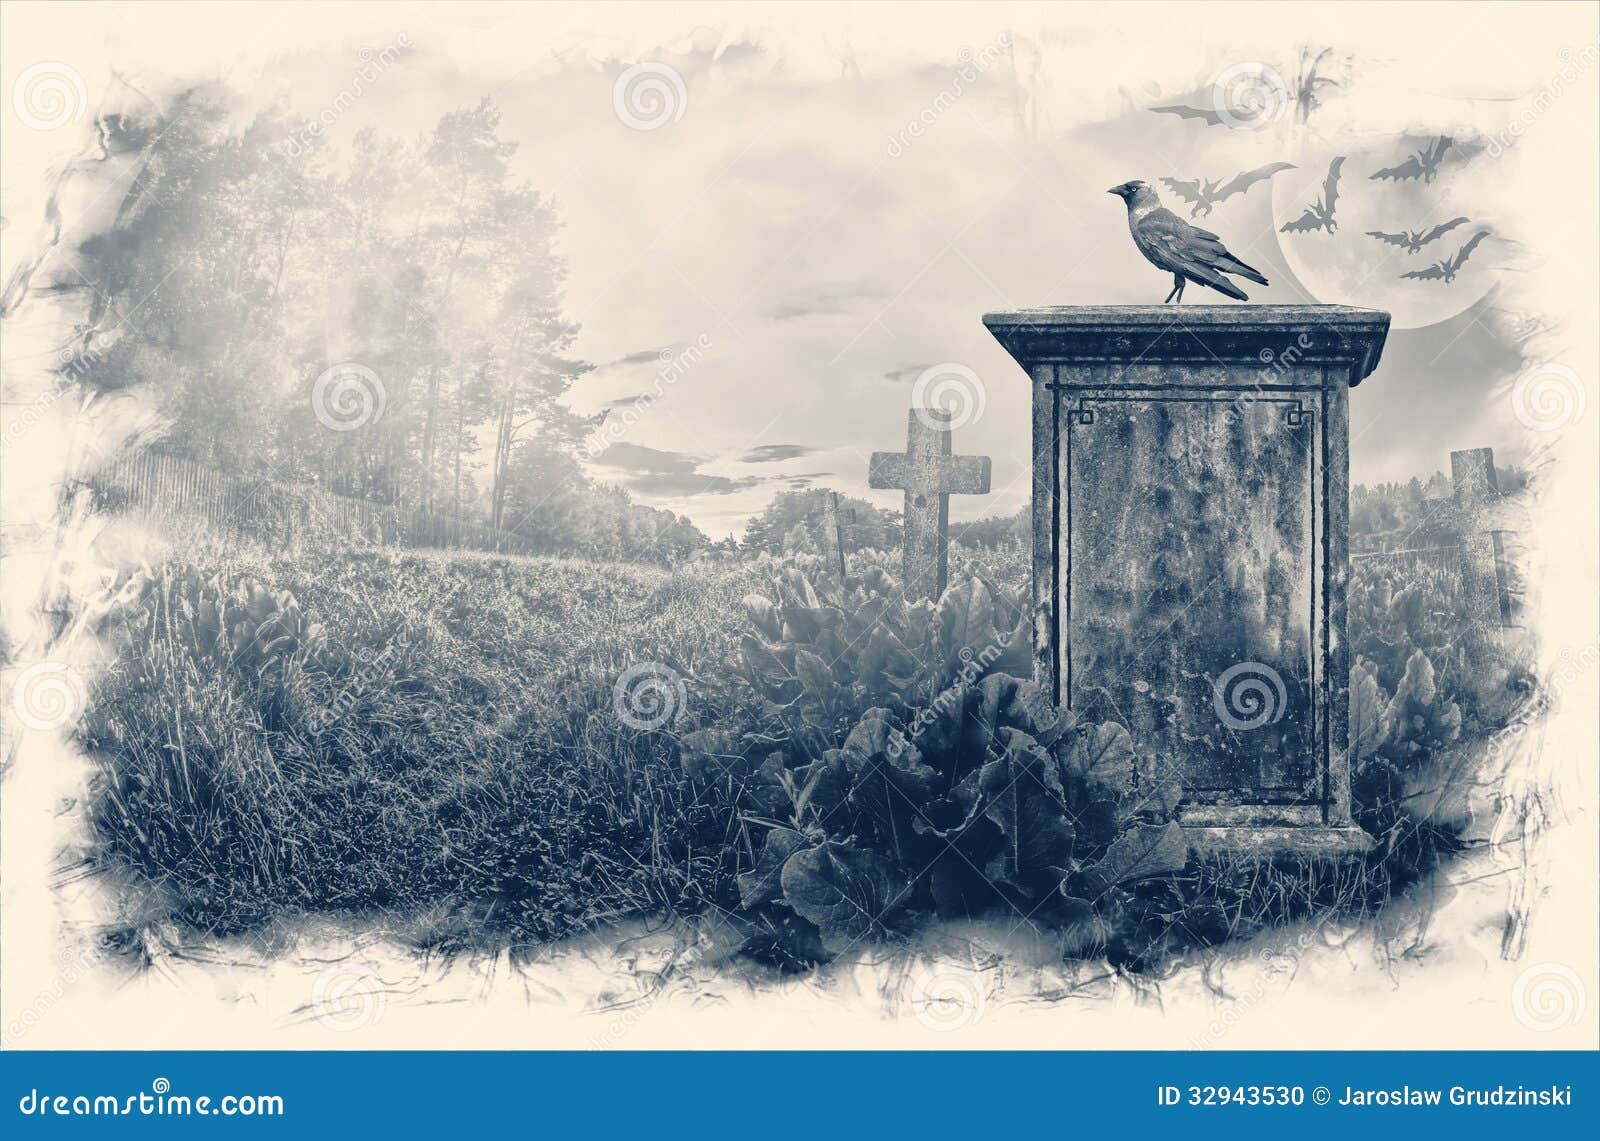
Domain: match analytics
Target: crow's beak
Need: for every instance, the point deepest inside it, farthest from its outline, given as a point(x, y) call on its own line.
point(1117, 190)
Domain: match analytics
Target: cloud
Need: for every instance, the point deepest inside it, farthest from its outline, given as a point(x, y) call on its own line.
point(904, 375)
point(683, 484)
point(774, 453)
point(671, 475)
point(640, 460)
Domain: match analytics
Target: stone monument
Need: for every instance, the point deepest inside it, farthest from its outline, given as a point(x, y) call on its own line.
point(1190, 549)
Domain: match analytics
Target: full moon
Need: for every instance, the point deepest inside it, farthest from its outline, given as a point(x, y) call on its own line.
point(1350, 267)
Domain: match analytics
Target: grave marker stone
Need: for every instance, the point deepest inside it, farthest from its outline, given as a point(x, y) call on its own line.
point(1486, 569)
point(929, 474)
point(1190, 522)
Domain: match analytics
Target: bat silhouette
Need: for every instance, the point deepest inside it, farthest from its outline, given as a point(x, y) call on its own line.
point(1204, 194)
point(1423, 164)
point(1446, 270)
point(1211, 117)
point(1319, 215)
point(1416, 239)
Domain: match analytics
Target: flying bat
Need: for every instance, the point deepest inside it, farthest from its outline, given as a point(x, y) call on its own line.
point(1423, 164)
point(1211, 117)
point(1446, 270)
point(1204, 194)
point(1416, 239)
point(1319, 215)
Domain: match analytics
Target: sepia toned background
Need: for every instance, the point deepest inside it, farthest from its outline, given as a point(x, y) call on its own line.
point(822, 201)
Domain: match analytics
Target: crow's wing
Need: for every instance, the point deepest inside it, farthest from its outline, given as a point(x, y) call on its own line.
point(1330, 188)
point(1196, 253)
point(1466, 251)
point(1308, 221)
point(1411, 168)
point(1437, 148)
point(1212, 118)
point(1188, 190)
point(1239, 183)
point(1392, 239)
point(1441, 229)
point(1432, 273)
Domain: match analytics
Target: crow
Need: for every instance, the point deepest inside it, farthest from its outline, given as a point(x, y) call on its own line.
point(1187, 252)
point(1204, 194)
point(1447, 269)
point(1319, 215)
point(1416, 239)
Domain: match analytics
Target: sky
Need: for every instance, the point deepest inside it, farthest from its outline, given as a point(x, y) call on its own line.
point(822, 203)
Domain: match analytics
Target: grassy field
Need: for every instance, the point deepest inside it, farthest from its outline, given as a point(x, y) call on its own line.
point(436, 748)
point(427, 739)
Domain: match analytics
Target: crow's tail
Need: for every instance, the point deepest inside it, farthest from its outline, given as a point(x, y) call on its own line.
point(1231, 264)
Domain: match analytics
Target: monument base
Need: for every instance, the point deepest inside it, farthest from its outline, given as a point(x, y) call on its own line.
point(1278, 840)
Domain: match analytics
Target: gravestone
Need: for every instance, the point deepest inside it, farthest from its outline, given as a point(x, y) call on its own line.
point(1475, 492)
point(1190, 555)
point(929, 474)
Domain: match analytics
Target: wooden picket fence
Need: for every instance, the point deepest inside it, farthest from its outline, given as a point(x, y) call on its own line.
point(156, 485)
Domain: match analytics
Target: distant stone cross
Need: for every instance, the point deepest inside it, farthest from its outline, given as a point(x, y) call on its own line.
point(1476, 491)
point(929, 474)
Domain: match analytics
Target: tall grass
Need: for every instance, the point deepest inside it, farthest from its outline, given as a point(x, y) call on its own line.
point(427, 740)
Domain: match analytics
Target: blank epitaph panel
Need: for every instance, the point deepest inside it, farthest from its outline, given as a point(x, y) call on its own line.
point(1191, 552)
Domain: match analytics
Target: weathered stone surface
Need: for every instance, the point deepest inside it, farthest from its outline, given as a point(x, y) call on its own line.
point(930, 475)
point(1191, 547)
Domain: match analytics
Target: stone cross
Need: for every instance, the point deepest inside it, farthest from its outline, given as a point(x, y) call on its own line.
point(1191, 550)
point(1476, 491)
point(929, 474)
